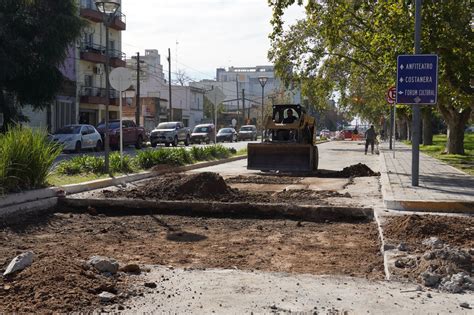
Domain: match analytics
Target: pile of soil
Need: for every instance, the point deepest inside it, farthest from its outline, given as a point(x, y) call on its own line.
point(179, 186)
point(55, 282)
point(212, 187)
point(413, 229)
point(270, 179)
point(356, 170)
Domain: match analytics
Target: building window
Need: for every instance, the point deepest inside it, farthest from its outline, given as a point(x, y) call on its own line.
point(62, 114)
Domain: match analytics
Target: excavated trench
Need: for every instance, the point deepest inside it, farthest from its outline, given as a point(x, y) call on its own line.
point(209, 194)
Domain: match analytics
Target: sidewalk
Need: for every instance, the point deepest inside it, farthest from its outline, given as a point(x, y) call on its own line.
point(441, 187)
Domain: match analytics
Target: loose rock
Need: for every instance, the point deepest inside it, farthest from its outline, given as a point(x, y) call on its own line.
point(20, 262)
point(433, 242)
point(151, 285)
point(104, 264)
point(131, 268)
point(402, 247)
point(106, 296)
point(430, 279)
point(465, 305)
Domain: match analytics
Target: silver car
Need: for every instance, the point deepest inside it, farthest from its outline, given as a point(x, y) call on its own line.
point(78, 137)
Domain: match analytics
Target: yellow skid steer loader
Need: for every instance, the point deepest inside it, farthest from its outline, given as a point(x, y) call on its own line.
point(289, 142)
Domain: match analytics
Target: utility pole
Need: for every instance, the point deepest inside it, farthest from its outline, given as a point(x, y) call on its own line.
point(237, 91)
point(169, 85)
point(137, 113)
point(415, 141)
point(243, 106)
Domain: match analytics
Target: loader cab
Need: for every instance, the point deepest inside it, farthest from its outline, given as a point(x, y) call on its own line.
point(280, 112)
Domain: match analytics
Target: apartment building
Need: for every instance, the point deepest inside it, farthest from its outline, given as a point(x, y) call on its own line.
point(90, 71)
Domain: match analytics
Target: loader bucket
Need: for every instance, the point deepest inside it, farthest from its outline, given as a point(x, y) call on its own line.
point(286, 157)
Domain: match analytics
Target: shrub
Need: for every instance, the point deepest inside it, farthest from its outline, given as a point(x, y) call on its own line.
point(124, 166)
point(82, 164)
point(26, 158)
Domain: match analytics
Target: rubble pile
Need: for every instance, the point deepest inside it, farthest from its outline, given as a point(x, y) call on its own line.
point(446, 268)
point(438, 250)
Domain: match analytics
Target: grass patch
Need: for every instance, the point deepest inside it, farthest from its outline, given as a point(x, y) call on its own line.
point(463, 162)
point(56, 179)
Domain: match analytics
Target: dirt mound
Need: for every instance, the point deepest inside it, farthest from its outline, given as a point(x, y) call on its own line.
point(54, 283)
point(205, 185)
point(358, 170)
point(415, 228)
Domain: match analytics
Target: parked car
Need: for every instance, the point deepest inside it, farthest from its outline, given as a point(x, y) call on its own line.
point(470, 129)
point(170, 133)
point(248, 132)
point(227, 134)
point(325, 133)
point(203, 133)
point(78, 137)
point(132, 134)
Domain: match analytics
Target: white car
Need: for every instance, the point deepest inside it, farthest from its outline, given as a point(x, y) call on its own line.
point(78, 137)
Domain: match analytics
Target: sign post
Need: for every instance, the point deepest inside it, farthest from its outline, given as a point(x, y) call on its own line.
point(417, 84)
point(390, 97)
point(121, 79)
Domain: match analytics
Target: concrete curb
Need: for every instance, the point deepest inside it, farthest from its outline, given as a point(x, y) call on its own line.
point(190, 207)
point(15, 213)
point(445, 206)
point(31, 200)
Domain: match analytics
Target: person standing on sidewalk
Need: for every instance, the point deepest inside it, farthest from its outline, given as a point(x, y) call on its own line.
point(370, 136)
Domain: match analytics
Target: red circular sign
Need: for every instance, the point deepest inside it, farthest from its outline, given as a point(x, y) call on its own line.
point(391, 94)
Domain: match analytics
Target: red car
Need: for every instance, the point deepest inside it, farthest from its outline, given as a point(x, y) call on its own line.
point(132, 134)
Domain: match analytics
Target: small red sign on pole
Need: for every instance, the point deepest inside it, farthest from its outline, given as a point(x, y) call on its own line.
point(391, 95)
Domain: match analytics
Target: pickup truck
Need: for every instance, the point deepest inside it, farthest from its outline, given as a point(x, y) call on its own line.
point(132, 134)
point(170, 133)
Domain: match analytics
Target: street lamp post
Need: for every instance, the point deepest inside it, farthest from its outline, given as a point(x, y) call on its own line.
point(109, 10)
point(263, 81)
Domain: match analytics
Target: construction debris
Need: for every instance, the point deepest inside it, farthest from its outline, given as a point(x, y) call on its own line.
point(18, 263)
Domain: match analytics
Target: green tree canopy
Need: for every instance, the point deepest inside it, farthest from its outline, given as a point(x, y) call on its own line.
point(35, 36)
point(351, 47)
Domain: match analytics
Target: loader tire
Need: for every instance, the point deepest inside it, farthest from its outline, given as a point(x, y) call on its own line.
point(315, 158)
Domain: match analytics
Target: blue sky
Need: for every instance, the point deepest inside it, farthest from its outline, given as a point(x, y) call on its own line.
point(210, 33)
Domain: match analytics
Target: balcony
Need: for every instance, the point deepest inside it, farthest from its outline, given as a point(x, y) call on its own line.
point(95, 95)
point(96, 53)
point(93, 52)
point(117, 58)
point(89, 11)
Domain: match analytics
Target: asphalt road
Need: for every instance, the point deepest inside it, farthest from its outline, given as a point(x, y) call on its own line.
point(131, 151)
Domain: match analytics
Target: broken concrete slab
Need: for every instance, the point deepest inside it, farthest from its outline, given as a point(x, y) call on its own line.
point(103, 264)
point(20, 262)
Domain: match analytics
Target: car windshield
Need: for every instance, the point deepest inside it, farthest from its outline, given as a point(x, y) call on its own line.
point(112, 125)
point(226, 130)
point(246, 129)
point(166, 126)
point(68, 130)
point(201, 129)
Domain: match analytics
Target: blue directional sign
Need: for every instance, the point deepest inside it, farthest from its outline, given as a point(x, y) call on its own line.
point(417, 79)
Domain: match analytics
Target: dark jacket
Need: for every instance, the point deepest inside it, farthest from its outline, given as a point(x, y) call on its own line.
point(370, 134)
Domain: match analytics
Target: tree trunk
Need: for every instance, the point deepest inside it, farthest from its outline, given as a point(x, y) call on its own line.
point(456, 120)
point(455, 143)
point(427, 126)
point(402, 130)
